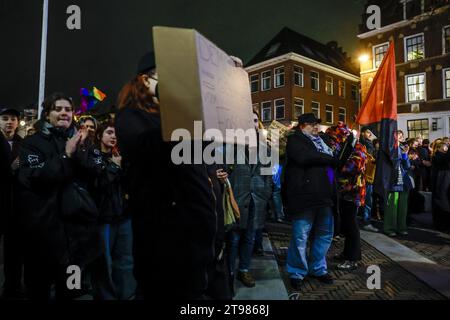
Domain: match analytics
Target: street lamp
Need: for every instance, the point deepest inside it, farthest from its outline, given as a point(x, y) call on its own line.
point(363, 58)
point(43, 56)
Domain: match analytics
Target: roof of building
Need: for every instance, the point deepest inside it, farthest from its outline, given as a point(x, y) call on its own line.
point(287, 41)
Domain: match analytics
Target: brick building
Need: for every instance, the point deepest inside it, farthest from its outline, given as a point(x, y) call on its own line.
point(294, 74)
point(420, 30)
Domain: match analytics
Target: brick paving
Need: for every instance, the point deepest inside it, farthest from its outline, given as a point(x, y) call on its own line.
point(396, 282)
point(429, 243)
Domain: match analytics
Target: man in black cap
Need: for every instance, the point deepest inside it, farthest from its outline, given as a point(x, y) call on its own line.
point(309, 192)
point(13, 252)
point(366, 139)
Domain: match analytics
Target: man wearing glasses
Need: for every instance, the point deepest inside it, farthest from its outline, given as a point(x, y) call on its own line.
point(309, 189)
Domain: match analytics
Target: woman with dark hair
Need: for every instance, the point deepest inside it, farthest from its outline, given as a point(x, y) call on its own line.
point(117, 281)
point(173, 206)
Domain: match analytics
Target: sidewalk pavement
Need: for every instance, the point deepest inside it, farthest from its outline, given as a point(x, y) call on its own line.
point(269, 284)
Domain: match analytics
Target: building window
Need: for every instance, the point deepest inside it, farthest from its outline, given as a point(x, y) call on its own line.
point(279, 109)
point(254, 83)
point(329, 85)
point(279, 77)
point(378, 54)
point(446, 40)
point(315, 108)
point(329, 114)
point(355, 93)
point(343, 115)
point(314, 80)
point(298, 76)
point(266, 80)
point(415, 87)
point(414, 47)
point(299, 107)
point(446, 77)
point(266, 113)
point(341, 88)
point(418, 128)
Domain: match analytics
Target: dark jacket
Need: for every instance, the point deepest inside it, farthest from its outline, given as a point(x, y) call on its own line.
point(8, 180)
point(441, 182)
point(43, 175)
point(5, 179)
point(110, 196)
point(308, 177)
point(172, 207)
point(248, 183)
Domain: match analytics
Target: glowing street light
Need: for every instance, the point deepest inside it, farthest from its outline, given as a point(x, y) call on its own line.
point(363, 58)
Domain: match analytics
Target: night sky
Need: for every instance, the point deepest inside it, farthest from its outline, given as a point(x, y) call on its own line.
point(115, 34)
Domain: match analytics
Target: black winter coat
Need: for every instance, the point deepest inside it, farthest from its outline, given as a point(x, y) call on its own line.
point(173, 211)
point(110, 196)
point(44, 172)
point(306, 181)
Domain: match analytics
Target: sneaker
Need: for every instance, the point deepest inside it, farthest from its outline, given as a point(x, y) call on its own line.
point(326, 278)
point(391, 234)
point(403, 233)
point(246, 278)
point(296, 284)
point(370, 228)
point(337, 238)
point(280, 220)
point(347, 265)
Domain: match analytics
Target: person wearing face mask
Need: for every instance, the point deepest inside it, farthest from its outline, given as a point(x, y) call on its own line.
point(57, 173)
point(13, 252)
point(172, 206)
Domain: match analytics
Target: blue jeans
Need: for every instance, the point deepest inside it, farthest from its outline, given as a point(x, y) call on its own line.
point(367, 209)
point(277, 203)
point(242, 242)
point(320, 222)
point(118, 283)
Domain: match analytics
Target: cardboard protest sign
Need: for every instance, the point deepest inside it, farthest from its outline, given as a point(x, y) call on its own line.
point(199, 82)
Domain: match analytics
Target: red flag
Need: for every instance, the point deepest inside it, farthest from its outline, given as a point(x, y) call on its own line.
point(381, 100)
point(379, 111)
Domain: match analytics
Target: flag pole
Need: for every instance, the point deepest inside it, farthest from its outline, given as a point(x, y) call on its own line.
point(43, 57)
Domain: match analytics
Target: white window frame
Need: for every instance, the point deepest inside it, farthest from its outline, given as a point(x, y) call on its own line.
point(275, 109)
point(405, 49)
point(444, 89)
point(302, 76)
point(373, 53)
point(443, 39)
point(263, 78)
point(332, 113)
point(406, 86)
point(318, 80)
point(275, 77)
point(303, 104)
point(252, 81)
point(332, 85)
point(345, 114)
point(262, 110)
point(345, 89)
point(318, 103)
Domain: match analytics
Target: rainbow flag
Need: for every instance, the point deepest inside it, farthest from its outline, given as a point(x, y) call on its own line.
point(90, 98)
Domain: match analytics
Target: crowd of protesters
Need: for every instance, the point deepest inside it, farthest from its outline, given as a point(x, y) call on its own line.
point(107, 198)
